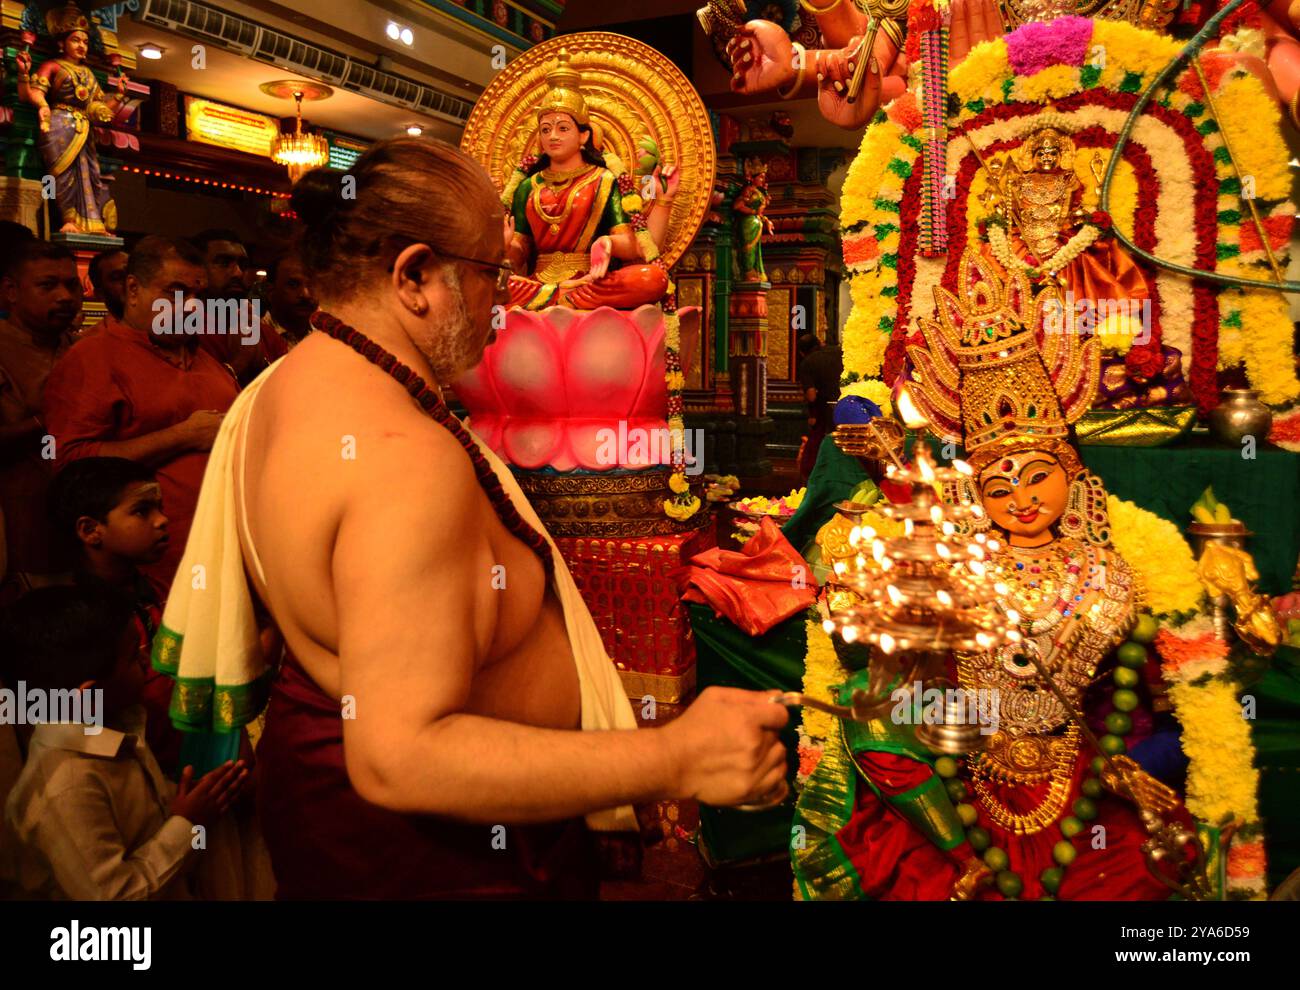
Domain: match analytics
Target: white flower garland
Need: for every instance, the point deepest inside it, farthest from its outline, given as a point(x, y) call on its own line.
point(1175, 236)
point(1063, 255)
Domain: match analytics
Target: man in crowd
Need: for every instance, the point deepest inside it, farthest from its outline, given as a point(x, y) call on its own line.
point(225, 260)
point(143, 389)
point(42, 293)
point(820, 367)
point(12, 238)
point(108, 276)
point(290, 301)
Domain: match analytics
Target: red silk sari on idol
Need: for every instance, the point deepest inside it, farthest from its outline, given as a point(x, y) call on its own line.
point(562, 224)
point(879, 826)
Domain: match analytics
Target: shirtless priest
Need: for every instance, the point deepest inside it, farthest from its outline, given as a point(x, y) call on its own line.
point(422, 739)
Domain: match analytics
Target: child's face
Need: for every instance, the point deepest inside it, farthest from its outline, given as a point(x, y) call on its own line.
point(135, 529)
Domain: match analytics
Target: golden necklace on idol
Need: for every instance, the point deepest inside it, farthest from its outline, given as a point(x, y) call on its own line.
point(557, 181)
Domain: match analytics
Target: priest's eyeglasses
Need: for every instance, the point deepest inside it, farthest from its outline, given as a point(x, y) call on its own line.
point(504, 269)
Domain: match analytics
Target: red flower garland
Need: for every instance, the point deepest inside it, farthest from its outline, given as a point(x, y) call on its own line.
point(1145, 358)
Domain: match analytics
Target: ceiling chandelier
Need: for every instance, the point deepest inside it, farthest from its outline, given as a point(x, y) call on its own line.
point(300, 151)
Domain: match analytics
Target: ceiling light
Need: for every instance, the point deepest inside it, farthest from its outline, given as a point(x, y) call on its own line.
point(408, 37)
point(299, 150)
point(394, 30)
point(151, 52)
point(414, 130)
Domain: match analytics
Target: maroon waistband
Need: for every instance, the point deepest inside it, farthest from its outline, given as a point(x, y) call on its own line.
point(327, 842)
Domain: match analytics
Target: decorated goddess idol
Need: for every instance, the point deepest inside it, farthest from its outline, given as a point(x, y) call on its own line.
point(1063, 227)
point(581, 392)
point(69, 101)
point(570, 216)
point(884, 817)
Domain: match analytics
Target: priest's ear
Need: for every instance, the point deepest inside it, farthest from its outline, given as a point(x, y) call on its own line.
point(411, 269)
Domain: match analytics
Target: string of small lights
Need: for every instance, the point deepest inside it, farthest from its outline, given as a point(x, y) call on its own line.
point(196, 180)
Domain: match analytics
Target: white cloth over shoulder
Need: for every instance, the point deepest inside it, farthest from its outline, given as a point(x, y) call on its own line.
point(604, 702)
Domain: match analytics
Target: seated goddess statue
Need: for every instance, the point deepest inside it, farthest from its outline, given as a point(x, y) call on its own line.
point(570, 228)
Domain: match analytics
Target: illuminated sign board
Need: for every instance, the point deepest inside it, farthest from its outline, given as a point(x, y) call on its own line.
point(344, 151)
point(229, 127)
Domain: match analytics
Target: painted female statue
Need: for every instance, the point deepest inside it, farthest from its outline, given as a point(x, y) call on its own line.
point(68, 98)
point(750, 204)
point(1027, 815)
point(572, 232)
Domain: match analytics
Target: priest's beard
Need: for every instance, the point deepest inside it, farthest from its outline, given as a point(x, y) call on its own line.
point(452, 345)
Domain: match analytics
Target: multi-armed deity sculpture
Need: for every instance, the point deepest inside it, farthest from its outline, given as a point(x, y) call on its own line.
point(581, 392)
point(571, 215)
point(69, 102)
point(586, 346)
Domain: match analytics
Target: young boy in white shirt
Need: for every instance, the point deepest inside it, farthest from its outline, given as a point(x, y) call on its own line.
point(92, 814)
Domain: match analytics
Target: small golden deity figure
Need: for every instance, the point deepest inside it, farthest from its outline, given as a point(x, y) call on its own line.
point(883, 818)
point(1040, 224)
point(578, 234)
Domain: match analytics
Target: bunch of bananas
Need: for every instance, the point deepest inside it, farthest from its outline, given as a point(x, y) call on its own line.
point(1208, 509)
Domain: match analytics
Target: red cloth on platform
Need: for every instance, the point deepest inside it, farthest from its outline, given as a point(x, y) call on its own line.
point(755, 587)
point(327, 842)
point(117, 385)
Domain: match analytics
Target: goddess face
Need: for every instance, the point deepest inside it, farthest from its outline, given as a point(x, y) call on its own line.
point(560, 137)
point(76, 45)
point(1047, 155)
point(1024, 494)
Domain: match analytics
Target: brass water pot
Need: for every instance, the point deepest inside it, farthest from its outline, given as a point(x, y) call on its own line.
point(1240, 414)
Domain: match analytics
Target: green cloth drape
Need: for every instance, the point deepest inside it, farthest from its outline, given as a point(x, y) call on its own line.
point(725, 656)
point(1275, 732)
point(1263, 492)
point(833, 479)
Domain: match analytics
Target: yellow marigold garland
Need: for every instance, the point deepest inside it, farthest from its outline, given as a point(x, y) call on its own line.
point(1222, 780)
point(874, 390)
point(681, 504)
point(822, 670)
point(1158, 554)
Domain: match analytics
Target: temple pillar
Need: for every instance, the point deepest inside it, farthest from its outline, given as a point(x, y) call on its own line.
point(747, 360)
point(21, 201)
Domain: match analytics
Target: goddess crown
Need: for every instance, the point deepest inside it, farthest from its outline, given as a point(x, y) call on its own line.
point(984, 377)
point(66, 19)
point(1152, 14)
point(564, 94)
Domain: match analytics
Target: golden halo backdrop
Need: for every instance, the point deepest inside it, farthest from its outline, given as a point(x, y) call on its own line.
point(631, 91)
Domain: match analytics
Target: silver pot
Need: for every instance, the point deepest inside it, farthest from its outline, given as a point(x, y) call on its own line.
point(1240, 414)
